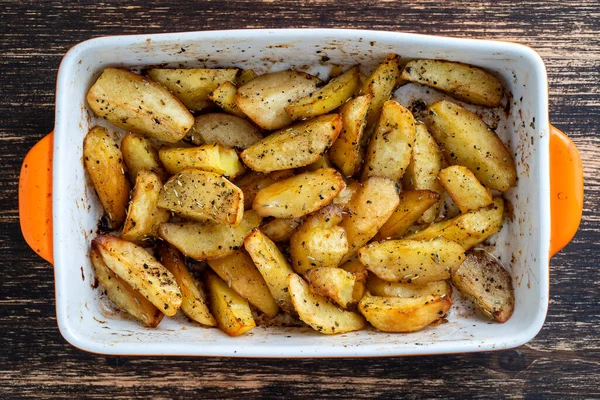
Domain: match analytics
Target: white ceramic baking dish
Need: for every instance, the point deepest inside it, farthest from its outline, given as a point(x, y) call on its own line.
point(59, 211)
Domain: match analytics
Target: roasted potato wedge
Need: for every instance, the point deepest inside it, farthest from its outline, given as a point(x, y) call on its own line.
point(104, 163)
point(272, 265)
point(464, 188)
point(246, 76)
point(194, 303)
point(380, 85)
point(412, 260)
point(336, 284)
point(224, 96)
point(319, 312)
point(413, 204)
point(297, 146)
point(280, 229)
point(209, 157)
point(466, 140)
point(379, 287)
point(138, 154)
point(144, 216)
point(422, 172)
point(299, 195)
point(139, 269)
point(331, 96)
point(223, 129)
point(391, 145)
point(123, 295)
point(343, 198)
point(139, 105)
point(403, 314)
point(464, 82)
point(201, 195)
point(240, 273)
point(322, 162)
point(231, 311)
point(193, 85)
point(487, 284)
point(265, 97)
point(468, 229)
point(252, 182)
point(347, 152)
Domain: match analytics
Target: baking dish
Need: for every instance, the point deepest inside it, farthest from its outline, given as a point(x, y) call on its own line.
point(59, 211)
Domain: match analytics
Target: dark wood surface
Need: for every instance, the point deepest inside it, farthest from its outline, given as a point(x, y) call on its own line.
point(563, 361)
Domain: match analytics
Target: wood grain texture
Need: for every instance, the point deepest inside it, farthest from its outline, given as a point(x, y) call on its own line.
point(35, 362)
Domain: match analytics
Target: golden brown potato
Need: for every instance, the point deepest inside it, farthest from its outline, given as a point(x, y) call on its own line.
point(209, 157)
point(343, 198)
point(322, 162)
point(272, 265)
point(223, 129)
point(334, 283)
point(464, 188)
point(201, 195)
point(104, 163)
point(468, 229)
point(327, 98)
point(139, 105)
point(252, 182)
point(240, 273)
point(319, 312)
point(232, 312)
point(403, 314)
point(390, 147)
point(299, 195)
point(464, 82)
point(246, 76)
point(193, 85)
point(139, 269)
point(380, 85)
point(412, 260)
point(138, 154)
point(123, 295)
point(297, 146)
point(224, 96)
point(194, 303)
point(413, 204)
point(487, 284)
point(144, 216)
point(208, 239)
point(347, 152)
point(422, 172)
point(379, 287)
point(280, 229)
point(466, 140)
point(265, 97)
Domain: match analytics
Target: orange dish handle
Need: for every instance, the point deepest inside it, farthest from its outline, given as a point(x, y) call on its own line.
point(566, 190)
point(35, 198)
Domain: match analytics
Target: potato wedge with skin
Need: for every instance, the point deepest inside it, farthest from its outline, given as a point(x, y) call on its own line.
point(331, 96)
point(412, 260)
point(369, 209)
point(193, 85)
point(265, 97)
point(319, 312)
point(487, 284)
point(391, 145)
point(138, 154)
point(421, 174)
point(335, 284)
point(144, 216)
point(347, 152)
point(223, 129)
point(246, 76)
point(462, 81)
point(208, 239)
point(139, 269)
point(240, 273)
point(468, 229)
point(104, 163)
point(123, 295)
point(299, 195)
point(413, 203)
point(137, 104)
point(379, 287)
point(403, 314)
point(201, 195)
point(231, 311)
point(297, 146)
point(194, 303)
point(380, 85)
point(209, 157)
point(224, 96)
point(466, 140)
point(273, 266)
point(280, 229)
point(252, 182)
point(464, 188)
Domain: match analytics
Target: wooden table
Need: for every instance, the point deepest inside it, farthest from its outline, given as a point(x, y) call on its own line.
point(36, 362)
